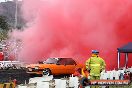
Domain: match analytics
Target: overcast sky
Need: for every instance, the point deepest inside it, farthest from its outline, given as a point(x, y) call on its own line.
point(4, 0)
point(8, 0)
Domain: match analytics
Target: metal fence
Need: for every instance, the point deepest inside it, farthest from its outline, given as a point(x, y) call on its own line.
point(20, 75)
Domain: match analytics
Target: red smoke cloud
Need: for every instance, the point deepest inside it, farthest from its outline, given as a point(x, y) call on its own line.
point(72, 28)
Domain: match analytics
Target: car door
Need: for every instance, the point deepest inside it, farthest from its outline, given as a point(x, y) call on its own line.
point(60, 66)
point(70, 66)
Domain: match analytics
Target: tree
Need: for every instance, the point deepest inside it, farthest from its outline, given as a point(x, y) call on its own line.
point(4, 28)
point(3, 23)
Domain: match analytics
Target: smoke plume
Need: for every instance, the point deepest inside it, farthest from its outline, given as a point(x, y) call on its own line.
point(72, 28)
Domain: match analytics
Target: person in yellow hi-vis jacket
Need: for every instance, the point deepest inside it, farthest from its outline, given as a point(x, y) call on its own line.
point(95, 65)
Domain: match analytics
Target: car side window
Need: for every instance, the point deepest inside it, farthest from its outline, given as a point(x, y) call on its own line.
point(70, 62)
point(62, 61)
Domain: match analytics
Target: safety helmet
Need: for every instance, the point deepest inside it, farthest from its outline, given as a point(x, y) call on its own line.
point(95, 52)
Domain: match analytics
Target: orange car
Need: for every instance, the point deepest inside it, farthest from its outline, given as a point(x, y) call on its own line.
point(54, 66)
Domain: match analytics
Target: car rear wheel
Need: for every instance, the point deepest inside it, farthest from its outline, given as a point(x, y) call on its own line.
point(46, 72)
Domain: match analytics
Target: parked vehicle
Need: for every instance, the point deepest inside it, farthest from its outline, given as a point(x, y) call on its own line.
point(54, 66)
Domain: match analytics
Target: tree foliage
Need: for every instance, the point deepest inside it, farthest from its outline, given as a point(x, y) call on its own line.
point(3, 23)
point(4, 28)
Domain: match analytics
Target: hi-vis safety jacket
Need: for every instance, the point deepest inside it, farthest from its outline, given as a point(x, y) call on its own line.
point(95, 64)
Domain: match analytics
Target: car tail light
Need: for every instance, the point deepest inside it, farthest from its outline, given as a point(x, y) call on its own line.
point(29, 69)
point(36, 67)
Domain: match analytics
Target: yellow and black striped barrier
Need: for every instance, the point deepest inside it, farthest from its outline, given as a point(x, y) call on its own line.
point(7, 85)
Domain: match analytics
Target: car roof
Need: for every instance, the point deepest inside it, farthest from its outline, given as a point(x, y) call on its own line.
point(62, 58)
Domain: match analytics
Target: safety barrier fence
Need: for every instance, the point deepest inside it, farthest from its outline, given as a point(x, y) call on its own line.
point(19, 74)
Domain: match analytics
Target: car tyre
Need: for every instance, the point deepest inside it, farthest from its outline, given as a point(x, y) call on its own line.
point(46, 72)
point(84, 81)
